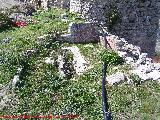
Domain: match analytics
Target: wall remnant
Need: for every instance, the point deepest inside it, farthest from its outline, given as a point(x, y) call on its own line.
point(81, 33)
point(138, 19)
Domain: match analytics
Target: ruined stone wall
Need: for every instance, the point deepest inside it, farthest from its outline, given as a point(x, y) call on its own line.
point(138, 22)
point(60, 3)
point(92, 10)
point(50, 3)
point(75, 6)
point(81, 33)
point(158, 34)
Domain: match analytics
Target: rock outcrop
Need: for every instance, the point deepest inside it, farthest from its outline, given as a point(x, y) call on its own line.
point(141, 63)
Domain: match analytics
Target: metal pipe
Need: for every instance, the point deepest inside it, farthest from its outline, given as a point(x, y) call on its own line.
point(106, 113)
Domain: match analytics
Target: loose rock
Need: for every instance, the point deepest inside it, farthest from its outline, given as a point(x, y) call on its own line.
point(49, 60)
point(116, 78)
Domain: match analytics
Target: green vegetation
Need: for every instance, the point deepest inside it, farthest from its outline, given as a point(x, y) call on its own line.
point(42, 91)
point(113, 19)
point(26, 39)
point(113, 16)
point(111, 57)
point(5, 22)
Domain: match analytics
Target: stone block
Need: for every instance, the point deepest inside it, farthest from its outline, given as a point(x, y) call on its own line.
point(81, 33)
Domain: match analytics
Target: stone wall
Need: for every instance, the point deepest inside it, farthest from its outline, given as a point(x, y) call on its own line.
point(75, 6)
point(60, 3)
point(138, 19)
point(50, 3)
point(81, 33)
point(158, 34)
point(92, 10)
point(8, 3)
point(139, 23)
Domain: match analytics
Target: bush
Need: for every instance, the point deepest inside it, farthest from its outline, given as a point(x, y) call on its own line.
point(136, 79)
point(110, 57)
point(5, 21)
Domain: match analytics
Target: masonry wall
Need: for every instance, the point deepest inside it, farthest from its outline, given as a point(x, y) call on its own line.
point(158, 34)
point(138, 19)
point(81, 33)
point(60, 3)
point(92, 10)
point(139, 23)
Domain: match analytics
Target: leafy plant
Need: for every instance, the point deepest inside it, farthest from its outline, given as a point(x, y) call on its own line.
point(5, 22)
point(111, 57)
point(136, 79)
point(68, 67)
point(113, 16)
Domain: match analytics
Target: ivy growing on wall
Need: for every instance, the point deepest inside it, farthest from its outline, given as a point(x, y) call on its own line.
point(113, 16)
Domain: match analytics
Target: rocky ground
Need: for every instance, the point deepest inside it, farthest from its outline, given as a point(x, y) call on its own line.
point(143, 66)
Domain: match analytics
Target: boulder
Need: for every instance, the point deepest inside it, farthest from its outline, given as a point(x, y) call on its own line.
point(142, 59)
point(157, 66)
point(66, 38)
point(122, 54)
point(129, 60)
point(116, 78)
point(49, 60)
point(72, 63)
point(136, 51)
point(61, 65)
point(6, 40)
point(65, 64)
point(155, 75)
point(145, 68)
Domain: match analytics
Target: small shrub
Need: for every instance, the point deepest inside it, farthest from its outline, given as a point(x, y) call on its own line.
point(136, 79)
point(68, 64)
point(5, 21)
point(111, 57)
